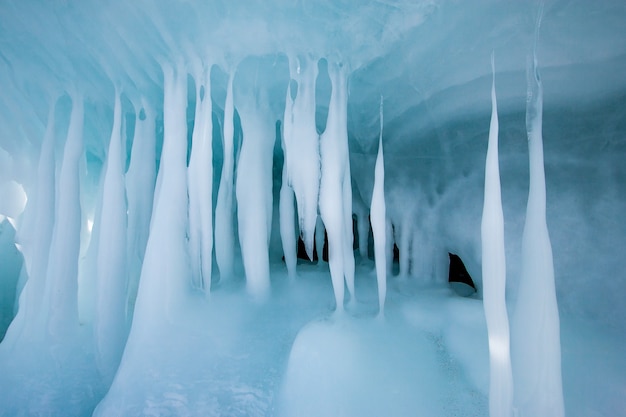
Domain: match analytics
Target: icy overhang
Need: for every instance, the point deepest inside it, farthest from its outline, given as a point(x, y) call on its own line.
point(429, 59)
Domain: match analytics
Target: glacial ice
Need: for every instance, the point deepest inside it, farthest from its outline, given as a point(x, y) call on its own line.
point(494, 275)
point(154, 152)
point(537, 345)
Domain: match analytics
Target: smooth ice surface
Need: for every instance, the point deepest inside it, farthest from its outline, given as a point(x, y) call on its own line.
point(537, 343)
point(110, 324)
point(378, 220)
point(494, 275)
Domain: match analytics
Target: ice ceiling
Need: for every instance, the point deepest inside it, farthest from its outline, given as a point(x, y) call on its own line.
point(225, 74)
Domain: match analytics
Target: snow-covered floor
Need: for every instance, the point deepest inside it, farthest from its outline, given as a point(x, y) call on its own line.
point(292, 356)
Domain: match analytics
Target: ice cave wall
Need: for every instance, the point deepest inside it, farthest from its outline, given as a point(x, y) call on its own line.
point(430, 61)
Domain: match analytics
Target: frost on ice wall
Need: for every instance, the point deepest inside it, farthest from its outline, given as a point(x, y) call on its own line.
point(168, 170)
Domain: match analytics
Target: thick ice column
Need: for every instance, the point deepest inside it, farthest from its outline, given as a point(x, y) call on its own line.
point(140, 181)
point(254, 192)
point(536, 327)
point(61, 292)
point(287, 220)
point(110, 320)
point(494, 276)
point(378, 214)
point(163, 280)
point(224, 231)
point(302, 146)
point(200, 182)
point(31, 298)
point(334, 181)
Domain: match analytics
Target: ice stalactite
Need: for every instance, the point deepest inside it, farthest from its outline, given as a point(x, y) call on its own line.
point(363, 228)
point(494, 276)
point(378, 219)
point(200, 182)
point(60, 297)
point(224, 230)
point(320, 239)
point(536, 324)
point(378, 214)
point(335, 201)
point(302, 148)
point(254, 190)
point(140, 180)
point(404, 244)
point(163, 284)
point(110, 325)
point(25, 324)
point(287, 217)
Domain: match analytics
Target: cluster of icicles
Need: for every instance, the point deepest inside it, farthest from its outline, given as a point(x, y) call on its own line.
point(152, 232)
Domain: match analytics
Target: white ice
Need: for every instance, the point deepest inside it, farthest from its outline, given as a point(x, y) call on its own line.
point(494, 275)
point(198, 124)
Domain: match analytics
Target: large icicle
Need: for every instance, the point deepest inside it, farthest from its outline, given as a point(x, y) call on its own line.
point(200, 182)
point(165, 267)
point(27, 319)
point(536, 327)
point(140, 180)
point(335, 186)
point(61, 292)
point(287, 218)
point(302, 146)
point(110, 320)
point(224, 231)
point(378, 214)
point(254, 191)
point(494, 276)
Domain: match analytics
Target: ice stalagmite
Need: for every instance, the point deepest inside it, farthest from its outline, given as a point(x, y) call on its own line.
point(378, 213)
point(61, 292)
point(200, 182)
point(254, 190)
point(287, 219)
point(140, 180)
point(335, 186)
point(536, 327)
point(302, 146)
point(25, 324)
point(165, 268)
point(110, 319)
point(494, 276)
point(224, 242)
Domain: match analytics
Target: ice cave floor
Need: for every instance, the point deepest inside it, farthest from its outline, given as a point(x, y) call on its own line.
point(292, 356)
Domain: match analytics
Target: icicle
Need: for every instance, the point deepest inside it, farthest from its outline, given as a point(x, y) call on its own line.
point(110, 320)
point(363, 226)
point(302, 148)
point(224, 242)
point(140, 182)
point(200, 182)
point(254, 192)
point(320, 239)
point(378, 214)
point(287, 219)
point(31, 298)
point(335, 187)
point(494, 276)
point(536, 330)
point(162, 284)
point(61, 292)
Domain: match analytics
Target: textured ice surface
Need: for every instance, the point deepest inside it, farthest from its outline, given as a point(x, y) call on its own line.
point(63, 67)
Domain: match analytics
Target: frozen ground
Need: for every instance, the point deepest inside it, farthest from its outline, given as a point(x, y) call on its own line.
point(293, 357)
